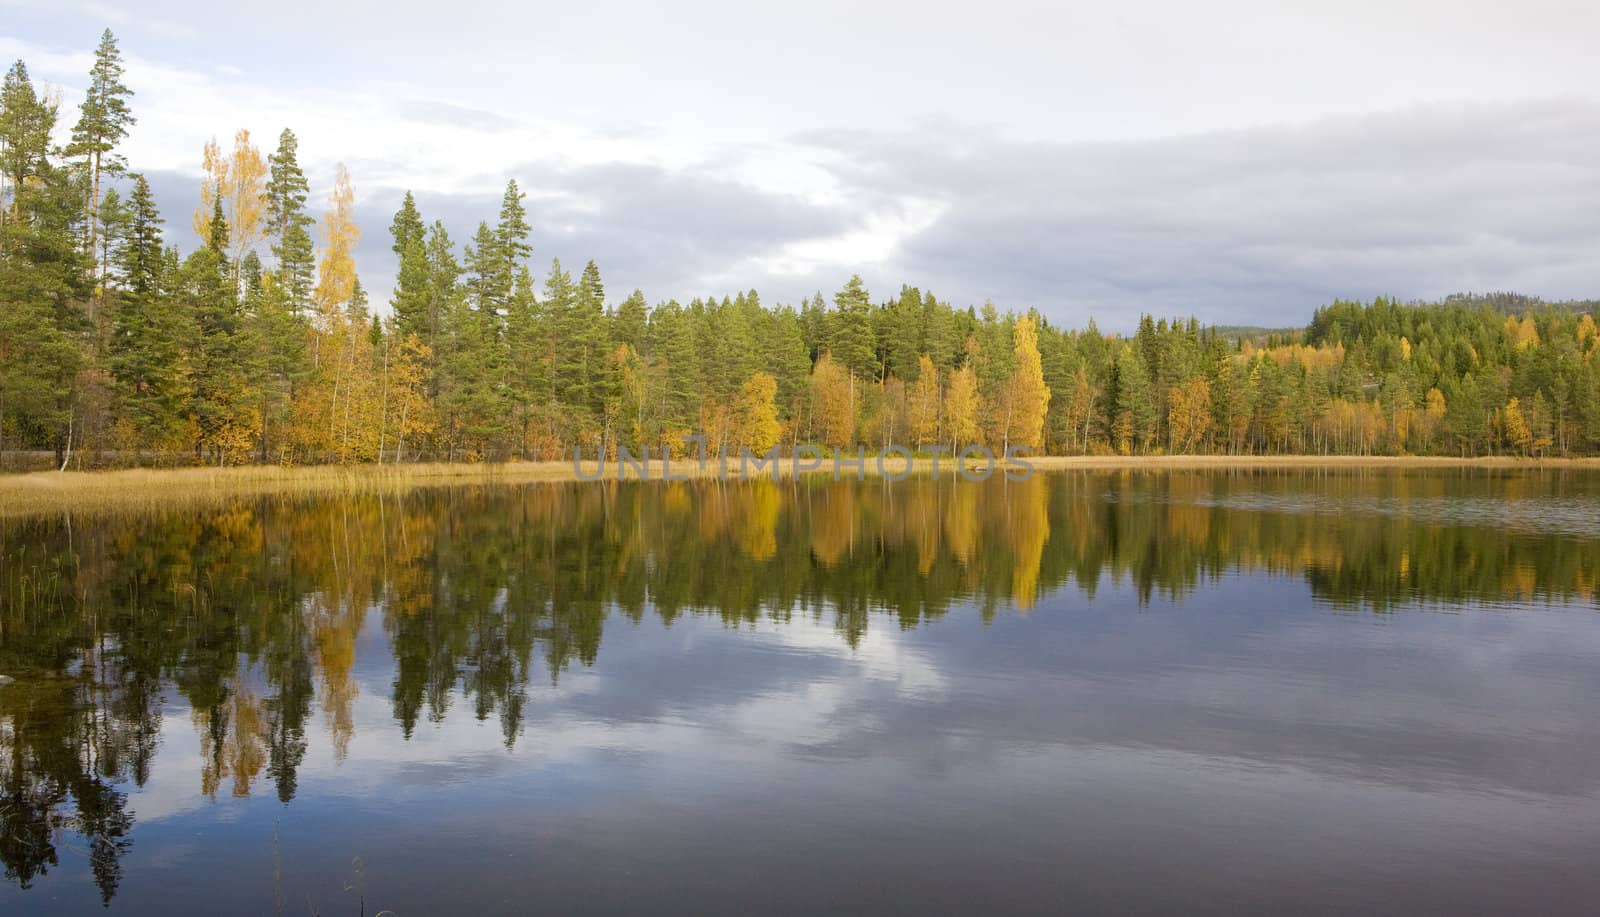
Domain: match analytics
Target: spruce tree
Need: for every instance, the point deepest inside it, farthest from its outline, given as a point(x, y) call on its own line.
point(412, 287)
point(784, 355)
point(851, 339)
point(444, 304)
point(628, 325)
point(1133, 408)
point(215, 360)
point(148, 328)
point(589, 339)
point(569, 384)
point(527, 345)
point(672, 343)
point(903, 334)
point(289, 225)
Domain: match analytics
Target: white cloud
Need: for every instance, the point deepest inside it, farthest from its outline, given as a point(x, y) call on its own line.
point(1101, 158)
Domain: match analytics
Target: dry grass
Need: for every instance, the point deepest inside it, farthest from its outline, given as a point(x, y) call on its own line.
point(140, 490)
point(1221, 462)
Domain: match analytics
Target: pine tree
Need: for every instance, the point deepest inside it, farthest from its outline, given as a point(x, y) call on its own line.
point(43, 269)
point(26, 121)
point(103, 122)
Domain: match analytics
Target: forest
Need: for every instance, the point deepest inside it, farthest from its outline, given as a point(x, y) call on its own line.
point(261, 344)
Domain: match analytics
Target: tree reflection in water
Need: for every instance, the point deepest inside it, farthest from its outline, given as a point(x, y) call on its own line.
point(251, 612)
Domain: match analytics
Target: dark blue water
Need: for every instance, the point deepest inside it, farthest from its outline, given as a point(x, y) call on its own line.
point(1089, 693)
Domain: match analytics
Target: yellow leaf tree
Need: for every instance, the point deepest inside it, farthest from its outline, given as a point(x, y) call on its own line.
point(1426, 425)
point(214, 165)
point(831, 394)
point(1516, 426)
point(1028, 395)
point(1188, 414)
point(408, 410)
point(758, 413)
point(961, 407)
point(924, 403)
point(336, 271)
point(240, 179)
point(243, 198)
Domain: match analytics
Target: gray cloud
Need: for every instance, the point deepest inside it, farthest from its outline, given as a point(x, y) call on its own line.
point(1250, 226)
point(1253, 225)
point(647, 228)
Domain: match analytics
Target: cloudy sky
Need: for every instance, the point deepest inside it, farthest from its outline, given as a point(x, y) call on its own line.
point(1239, 161)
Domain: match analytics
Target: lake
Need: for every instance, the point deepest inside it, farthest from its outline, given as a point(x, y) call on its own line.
point(1274, 691)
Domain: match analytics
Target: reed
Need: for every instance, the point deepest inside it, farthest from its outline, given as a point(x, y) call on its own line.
point(134, 490)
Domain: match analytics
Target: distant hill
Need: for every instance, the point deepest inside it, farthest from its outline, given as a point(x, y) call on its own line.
point(1516, 303)
point(1500, 301)
point(1256, 334)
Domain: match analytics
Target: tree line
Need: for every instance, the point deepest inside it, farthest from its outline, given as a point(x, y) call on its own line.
point(261, 344)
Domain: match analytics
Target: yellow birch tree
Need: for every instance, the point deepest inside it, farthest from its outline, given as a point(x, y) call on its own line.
point(924, 403)
point(758, 413)
point(961, 407)
point(243, 195)
point(831, 393)
point(1030, 397)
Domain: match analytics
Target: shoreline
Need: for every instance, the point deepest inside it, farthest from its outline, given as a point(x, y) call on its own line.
point(48, 492)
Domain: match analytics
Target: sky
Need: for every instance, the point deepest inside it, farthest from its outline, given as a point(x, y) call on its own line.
point(1242, 162)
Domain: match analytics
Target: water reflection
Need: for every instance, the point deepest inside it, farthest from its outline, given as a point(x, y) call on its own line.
point(256, 620)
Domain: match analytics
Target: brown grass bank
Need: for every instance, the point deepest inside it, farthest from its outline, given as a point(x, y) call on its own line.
point(148, 489)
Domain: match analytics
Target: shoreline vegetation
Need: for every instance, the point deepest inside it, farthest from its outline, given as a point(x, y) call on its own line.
point(141, 489)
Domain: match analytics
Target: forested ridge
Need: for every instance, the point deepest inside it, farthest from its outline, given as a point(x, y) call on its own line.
point(261, 344)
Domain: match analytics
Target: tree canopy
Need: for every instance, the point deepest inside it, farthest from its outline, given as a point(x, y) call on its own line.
point(261, 345)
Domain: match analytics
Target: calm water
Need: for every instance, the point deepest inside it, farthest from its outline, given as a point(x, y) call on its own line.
point(1194, 693)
